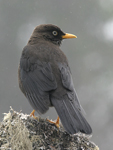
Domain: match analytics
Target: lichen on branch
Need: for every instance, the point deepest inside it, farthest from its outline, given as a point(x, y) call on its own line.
point(19, 131)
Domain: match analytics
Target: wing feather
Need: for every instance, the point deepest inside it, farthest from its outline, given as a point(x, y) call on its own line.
point(37, 81)
point(67, 82)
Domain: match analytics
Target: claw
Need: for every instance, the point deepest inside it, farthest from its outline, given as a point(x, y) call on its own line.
point(32, 114)
point(56, 123)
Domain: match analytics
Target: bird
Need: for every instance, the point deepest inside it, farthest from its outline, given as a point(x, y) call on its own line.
point(46, 80)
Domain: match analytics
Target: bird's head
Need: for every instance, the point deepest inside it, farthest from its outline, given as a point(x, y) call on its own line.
point(50, 33)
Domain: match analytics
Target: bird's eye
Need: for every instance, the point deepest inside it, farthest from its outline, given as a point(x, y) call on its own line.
point(55, 33)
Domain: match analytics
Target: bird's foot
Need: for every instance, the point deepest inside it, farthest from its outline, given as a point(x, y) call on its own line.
point(32, 114)
point(56, 123)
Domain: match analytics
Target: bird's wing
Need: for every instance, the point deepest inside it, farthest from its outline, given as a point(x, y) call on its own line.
point(68, 107)
point(36, 80)
point(67, 82)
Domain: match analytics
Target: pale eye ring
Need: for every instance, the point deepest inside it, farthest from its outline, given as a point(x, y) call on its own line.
point(55, 33)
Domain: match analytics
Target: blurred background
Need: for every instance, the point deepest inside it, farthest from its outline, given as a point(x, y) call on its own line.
point(90, 55)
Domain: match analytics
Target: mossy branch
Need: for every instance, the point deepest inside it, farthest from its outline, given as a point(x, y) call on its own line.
point(19, 131)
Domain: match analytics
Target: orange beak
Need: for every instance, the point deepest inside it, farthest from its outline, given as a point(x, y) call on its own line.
point(68, 36)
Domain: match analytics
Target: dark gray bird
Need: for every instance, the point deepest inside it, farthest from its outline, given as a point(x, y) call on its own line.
point(45, 78)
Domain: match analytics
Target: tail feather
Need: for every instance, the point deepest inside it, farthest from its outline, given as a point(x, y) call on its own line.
point(71, 117)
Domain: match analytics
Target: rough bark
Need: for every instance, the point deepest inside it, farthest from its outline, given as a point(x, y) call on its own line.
point(19, 131)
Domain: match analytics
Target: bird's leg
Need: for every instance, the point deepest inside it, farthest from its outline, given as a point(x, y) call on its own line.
point(32, 114)
point(56, 123)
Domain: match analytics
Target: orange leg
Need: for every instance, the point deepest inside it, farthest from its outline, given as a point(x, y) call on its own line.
point(32, 114)
point(56, 123)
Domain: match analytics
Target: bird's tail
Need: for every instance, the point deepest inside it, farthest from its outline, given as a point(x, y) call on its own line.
point(71, 117)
